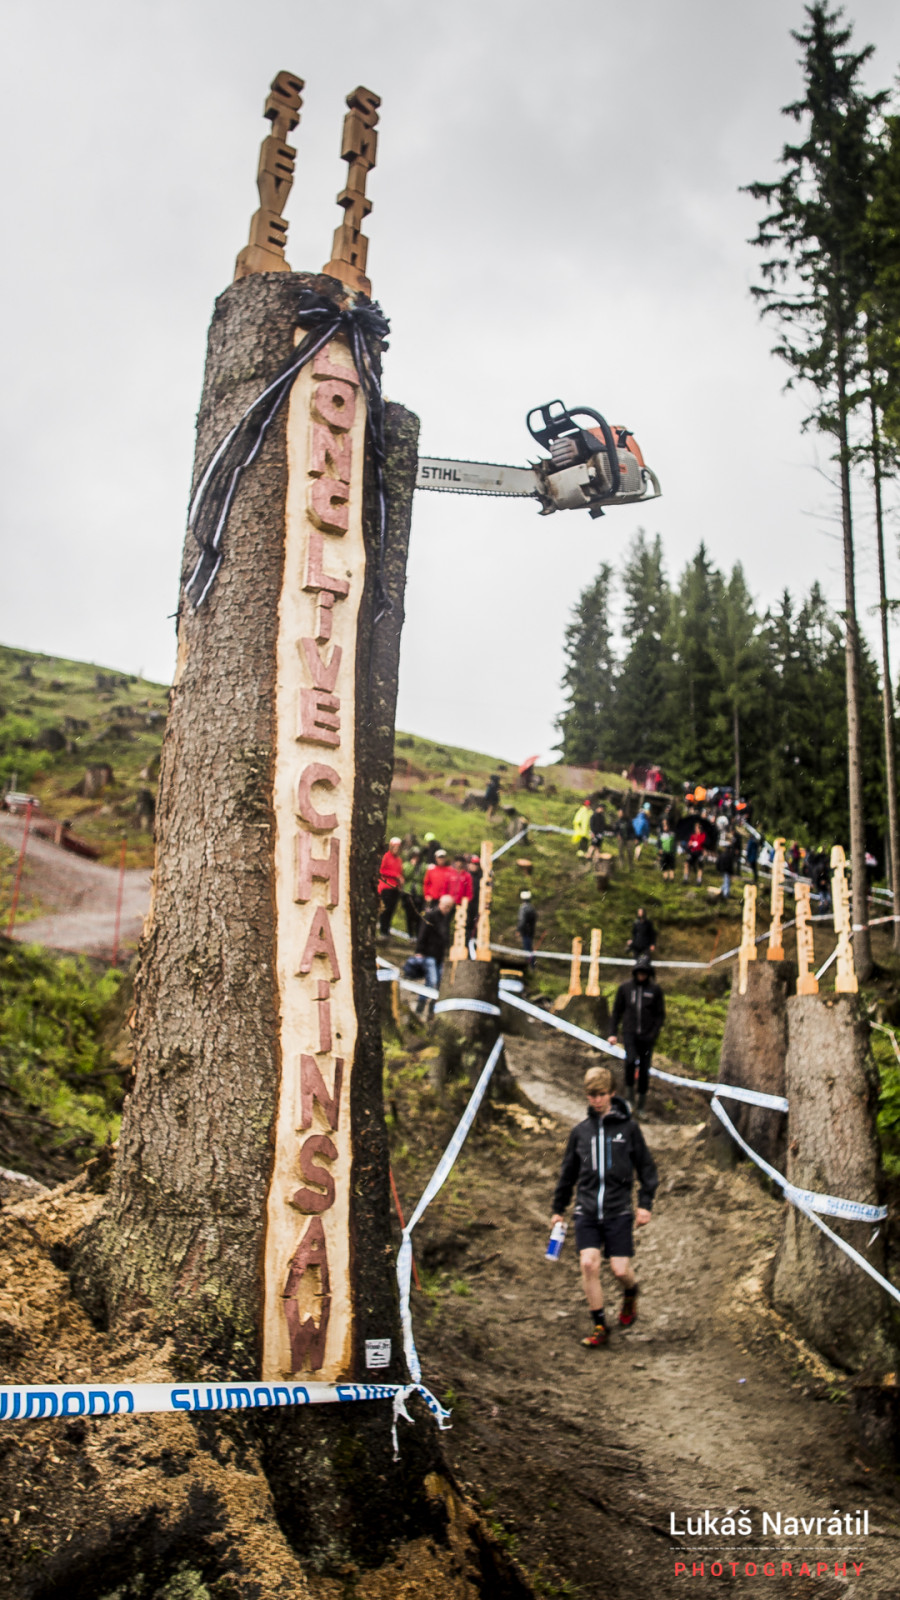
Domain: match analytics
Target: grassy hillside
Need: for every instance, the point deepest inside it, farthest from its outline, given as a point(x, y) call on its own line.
point(59, 717)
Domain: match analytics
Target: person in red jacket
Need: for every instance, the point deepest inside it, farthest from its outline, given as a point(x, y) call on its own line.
point(460, 885)
point(437, 879)
point(390, 882)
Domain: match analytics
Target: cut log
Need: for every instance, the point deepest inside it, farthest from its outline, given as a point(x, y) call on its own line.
point(832, 1087)
point(467, 1038)
point(754, 1051)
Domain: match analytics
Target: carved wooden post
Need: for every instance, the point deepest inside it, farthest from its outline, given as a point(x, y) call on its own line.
point(459, 950)
point(845, 981)
point(748, 950)
point(575, 969)
point(807, 982)
point(360, 141)
point(593, 979)
point(775, 951)
point(483, 931)
point(274, 179)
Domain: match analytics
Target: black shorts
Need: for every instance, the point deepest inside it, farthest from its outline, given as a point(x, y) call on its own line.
point(614, 1236)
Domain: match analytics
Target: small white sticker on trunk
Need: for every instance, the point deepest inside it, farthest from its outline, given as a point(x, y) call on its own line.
point(378, 1352)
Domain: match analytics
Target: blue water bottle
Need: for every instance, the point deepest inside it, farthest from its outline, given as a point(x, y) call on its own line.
point(556, 1241)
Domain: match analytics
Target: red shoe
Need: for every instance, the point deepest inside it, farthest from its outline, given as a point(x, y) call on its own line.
point(598, 1337)
point(628, 1312)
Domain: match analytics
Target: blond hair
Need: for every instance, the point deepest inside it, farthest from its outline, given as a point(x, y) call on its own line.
point(599, 1079)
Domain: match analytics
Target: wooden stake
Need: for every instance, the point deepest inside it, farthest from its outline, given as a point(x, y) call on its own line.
point(459, 950)
point(775, 951)
point(483, 932)
point(575, 973)
point(593, 981)
point(845, 978)
point(807, 982)
point(748, 950)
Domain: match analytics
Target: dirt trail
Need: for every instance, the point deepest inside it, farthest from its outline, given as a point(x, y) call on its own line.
point(82, 895)
point(707, 1403)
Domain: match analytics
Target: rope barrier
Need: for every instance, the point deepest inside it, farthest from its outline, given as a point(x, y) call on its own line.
point(829, 1204)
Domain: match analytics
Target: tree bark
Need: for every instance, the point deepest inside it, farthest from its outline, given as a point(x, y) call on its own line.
point(754, 1051)
point(832, 1088)
point(862, 948)
point(887, 690)
point(186, 1238)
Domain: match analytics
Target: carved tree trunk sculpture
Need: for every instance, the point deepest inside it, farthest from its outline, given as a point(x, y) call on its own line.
point(249, 1213)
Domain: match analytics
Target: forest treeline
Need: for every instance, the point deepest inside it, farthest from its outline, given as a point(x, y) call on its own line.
point(691, 675)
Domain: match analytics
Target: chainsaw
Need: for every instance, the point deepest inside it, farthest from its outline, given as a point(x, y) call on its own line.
point(589, 468)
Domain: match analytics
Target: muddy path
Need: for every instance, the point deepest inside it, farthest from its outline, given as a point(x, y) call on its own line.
point(80, 897)
point(582, 1457)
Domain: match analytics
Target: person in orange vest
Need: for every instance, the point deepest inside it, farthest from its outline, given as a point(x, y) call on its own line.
point(390, 882)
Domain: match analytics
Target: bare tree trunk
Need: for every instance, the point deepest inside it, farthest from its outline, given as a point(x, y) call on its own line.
point(186, 1241)
point(887, 690)
point(862, 947)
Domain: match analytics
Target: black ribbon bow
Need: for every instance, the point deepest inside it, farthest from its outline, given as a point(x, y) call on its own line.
point(367, 328)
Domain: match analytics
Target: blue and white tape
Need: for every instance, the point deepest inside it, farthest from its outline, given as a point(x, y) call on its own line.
point(806, 1199)
point(29, 1402)
point(435, 1183)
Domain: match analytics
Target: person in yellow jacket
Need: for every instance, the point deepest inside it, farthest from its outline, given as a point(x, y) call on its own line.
point(581, 829)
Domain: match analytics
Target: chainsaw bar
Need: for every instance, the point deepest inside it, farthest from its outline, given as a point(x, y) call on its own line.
point(476, 477)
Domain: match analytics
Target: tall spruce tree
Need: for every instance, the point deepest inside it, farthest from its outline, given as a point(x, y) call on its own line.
point(691, 668)
point(739, 655)
point(586, 724)
point(641, 723)
point(814, 279)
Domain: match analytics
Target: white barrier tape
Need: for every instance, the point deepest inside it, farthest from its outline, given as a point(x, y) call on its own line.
point(496, 854)
point(388, 974)
point(605, 961)
point(435, 1183)
point(891, 1035)
point(564, 1027)
point(826, 964)
point(484, 1006)
point(807, 1199)
point(32, 1402)
point(849, 1250)
point(752, 1097)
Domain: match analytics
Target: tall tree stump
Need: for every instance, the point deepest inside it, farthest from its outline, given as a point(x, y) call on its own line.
point(466, 1038)
point(754, 1051)
point(249, 1215)
point(833, 1148)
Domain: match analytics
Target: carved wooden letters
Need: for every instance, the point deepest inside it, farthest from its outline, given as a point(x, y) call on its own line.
point(308, 1320)
point(358, 148)
point(274, 179)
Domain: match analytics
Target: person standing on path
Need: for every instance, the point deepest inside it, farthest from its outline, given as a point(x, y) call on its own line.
point(640, 1008)
point(433, 939)
point(603, 1154)
point(390, 881)
point(725, 864)
point(526, 923)
point(752, 856)
point(667, 852)
point(625, 835)
point(437, 879)
point(597, 825)
point(581, 829)
point(641, 828)
point(472, 914)
point(643, 935)
point(695, 847)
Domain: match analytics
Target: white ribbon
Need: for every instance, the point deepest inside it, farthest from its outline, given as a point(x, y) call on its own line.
point(435, 1183)
point(31, 1401)
point(484, 1006)
point(805, 1199)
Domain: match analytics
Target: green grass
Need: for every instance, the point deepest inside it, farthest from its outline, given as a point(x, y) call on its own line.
point(60, 1081)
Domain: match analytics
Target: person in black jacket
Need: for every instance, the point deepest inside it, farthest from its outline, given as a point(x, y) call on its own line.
point(641, 1009)
point(526, 923)
point(602, 1156)
point(434, 938)
point(643, 935)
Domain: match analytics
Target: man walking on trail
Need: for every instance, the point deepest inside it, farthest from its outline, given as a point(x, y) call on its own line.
point(433, 939)
point(641, 1009)
point(603, 1154)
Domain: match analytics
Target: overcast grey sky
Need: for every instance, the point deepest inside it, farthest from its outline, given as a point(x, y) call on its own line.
point(556, 213)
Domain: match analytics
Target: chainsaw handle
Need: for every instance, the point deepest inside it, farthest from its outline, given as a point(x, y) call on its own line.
point(555, 424)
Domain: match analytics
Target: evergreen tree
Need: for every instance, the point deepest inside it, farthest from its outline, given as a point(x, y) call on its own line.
point(641, 724)
point(814, 280)
point(586, 724)
point(739, 655)
point(691, 669)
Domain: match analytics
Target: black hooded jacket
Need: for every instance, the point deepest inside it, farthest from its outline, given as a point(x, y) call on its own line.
point(600, 1164)
point(640, 1008)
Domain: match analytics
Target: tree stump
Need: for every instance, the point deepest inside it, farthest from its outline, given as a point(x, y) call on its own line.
point(590, 1012)
point(249, 1214)
point(605, 871)
point(832, 1087)
point(753, 1056)
point(466, 1038)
